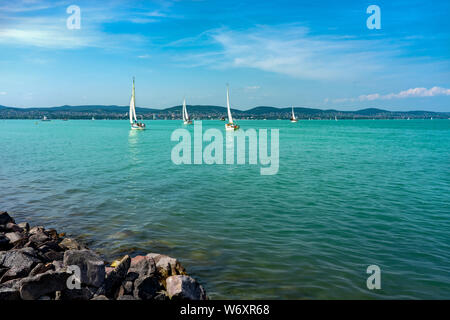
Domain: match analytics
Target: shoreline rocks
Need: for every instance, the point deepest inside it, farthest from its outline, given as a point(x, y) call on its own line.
point(40, 264)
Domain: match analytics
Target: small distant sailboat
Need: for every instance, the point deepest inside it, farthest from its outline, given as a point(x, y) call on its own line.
point(230, 125)
point(335, 118)
point(186, 119)
point(293, 118)
point(92, 118)
point(45, 119)
point(135, 125)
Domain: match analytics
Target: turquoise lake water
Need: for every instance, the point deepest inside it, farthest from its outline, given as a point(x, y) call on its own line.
point(348, 194)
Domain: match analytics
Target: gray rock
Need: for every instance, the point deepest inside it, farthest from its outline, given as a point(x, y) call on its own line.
point(14, 236)
point(166, 266)
point(14, 284)
point(36, 229)
point(53, 255)
point(85, 293)
point(142, 266)
point(32, 288)
point(8, 294)
point(181, 287)
point(39, 238)
point(91, 266)
point(41, 268)
point(5, 218)
point(70, 244)
point(116, 276)
point(100, 297)
point(19, 261)
point(146, 287)
point(127, 287)
point(25, 226)
point(12, 227)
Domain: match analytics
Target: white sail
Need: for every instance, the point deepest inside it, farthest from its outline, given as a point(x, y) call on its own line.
point(293, 115)
point(185, 113)
point(230, 118)
point(182, 111)
point(132, 106)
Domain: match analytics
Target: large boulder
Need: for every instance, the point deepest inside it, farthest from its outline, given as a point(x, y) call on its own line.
point(181, 287)
point(115, 277)
point(41, 268)
point(33, 288)
point(5, 218)
point(39, 238)
point(166, 266)
point(84, 293)
point(142, 266)
point(14, 236)
point(91, 266)
point(146, 287)
point(70, 244)
point(12, 227)
point(19, 261)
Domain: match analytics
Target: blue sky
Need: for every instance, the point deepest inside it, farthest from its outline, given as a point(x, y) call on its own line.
point(280, 53)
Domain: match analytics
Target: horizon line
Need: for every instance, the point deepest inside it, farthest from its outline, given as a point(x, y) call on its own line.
point(208, 105)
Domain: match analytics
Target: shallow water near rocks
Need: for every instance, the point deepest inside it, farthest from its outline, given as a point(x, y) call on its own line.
point(348, 194)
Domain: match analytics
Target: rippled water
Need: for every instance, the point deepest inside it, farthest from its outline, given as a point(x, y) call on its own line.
point(348, 194)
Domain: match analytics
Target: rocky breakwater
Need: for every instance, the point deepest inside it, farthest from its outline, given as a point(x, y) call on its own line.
point(40, 264)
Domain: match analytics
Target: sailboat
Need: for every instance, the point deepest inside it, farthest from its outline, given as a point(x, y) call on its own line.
point(45, 119)
point(186, 119)
point(230, 125)
point(335, 118)
point(135, 125)
point(293, 118)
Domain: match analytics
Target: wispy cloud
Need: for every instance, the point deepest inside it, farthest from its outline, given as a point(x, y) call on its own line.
point(292, 50)
point(25, 23)
point(410, 93)
point(20, 6)
point(3, 93)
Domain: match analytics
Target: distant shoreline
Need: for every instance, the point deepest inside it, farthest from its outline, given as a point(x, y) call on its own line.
point(209, 113)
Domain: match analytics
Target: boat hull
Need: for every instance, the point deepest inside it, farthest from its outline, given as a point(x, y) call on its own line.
point(231, 127)
point(137, 127)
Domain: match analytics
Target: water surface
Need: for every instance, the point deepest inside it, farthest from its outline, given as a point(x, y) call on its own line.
point(348, 194)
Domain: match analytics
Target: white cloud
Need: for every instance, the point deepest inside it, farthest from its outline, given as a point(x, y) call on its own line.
point(3, 93)
point(410, 93)
point(292, 50)
point(144, 56)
